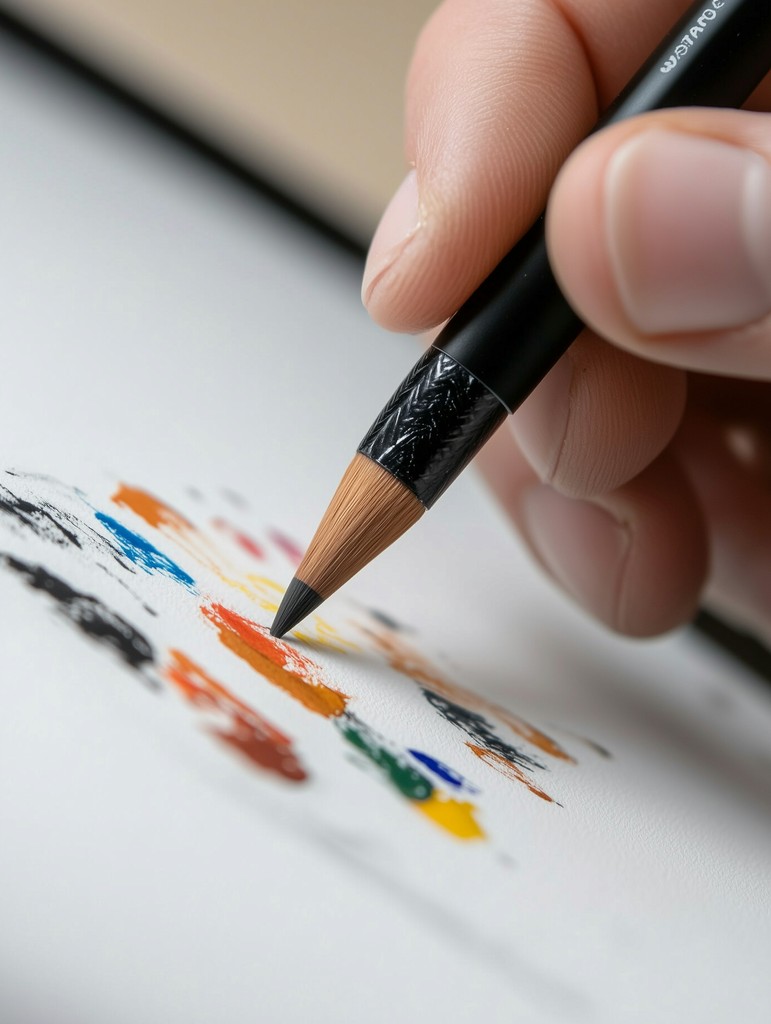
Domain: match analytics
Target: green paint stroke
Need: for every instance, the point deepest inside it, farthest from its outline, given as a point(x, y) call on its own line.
point(396, 770)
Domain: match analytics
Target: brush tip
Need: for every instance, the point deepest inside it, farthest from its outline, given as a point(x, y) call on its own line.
point(299, 600)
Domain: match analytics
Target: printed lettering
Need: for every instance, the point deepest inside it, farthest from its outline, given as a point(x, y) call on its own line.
point(681, 50)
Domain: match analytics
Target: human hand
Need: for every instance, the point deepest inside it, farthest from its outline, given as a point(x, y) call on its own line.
point(639, 471)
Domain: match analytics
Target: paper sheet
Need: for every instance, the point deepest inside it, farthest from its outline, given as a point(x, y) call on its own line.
point(450, 797)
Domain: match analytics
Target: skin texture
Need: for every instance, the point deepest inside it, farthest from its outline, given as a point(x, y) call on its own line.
point(638, 472)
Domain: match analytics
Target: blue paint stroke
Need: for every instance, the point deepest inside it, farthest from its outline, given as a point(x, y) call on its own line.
point(142, 553)
point(443, 771)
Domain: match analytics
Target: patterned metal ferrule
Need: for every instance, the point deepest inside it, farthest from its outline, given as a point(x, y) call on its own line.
point(434, 424)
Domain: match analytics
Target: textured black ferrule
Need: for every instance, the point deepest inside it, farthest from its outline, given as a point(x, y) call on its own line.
point(433, 426)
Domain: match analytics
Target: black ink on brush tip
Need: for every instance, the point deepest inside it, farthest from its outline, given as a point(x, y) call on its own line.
point(88, 614)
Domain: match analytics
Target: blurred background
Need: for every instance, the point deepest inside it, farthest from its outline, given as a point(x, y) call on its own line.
point(307, 92)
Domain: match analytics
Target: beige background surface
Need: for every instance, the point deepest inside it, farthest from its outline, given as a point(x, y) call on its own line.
point(309, 92)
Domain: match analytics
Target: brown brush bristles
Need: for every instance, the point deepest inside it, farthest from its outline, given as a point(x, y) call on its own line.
point(370, 510)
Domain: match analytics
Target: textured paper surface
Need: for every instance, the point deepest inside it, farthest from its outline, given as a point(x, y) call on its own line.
point(453, 799)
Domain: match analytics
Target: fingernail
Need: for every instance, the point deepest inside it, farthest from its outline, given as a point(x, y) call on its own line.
point(582, 545)
point(398, 224)
point(688, 223)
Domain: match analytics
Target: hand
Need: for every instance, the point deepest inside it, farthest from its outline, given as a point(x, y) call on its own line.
point(639, 472)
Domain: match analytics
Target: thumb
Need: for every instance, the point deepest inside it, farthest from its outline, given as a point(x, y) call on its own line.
point(659, 232)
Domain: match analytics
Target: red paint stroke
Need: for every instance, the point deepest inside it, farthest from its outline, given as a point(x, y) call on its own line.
point(290, 548)
point(253, 736)
point(280, 664)
point(243, 540)
point(508, 770)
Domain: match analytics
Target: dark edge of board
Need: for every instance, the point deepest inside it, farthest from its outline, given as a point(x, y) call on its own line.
point(237, 170)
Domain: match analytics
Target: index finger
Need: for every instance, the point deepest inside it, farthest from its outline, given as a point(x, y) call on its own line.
point(498, 95)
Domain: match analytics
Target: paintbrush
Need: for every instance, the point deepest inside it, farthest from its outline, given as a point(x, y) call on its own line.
point(466, 384)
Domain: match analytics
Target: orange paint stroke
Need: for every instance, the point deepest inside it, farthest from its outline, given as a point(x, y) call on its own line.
point(405, 659)
point(249, 733)
point(151, 509)
point(510, 771)
point(280, 664)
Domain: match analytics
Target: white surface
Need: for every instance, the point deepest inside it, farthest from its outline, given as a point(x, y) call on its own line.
point(162, 328)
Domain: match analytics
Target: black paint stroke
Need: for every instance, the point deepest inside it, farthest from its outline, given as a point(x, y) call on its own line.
point(88, 614)
point(38, 518)
point(54, 525)
point(479, 729)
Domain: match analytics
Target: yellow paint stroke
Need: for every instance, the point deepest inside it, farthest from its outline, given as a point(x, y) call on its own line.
point(266, 592)
point(454, 816)
point(280, 664)
point(507, 769)
point(405, 659)
point(324, 635)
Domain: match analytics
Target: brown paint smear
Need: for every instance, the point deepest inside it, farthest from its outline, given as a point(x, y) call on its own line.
point(409, 662)
point(253, 736)
point(510, 771)
point(279, 663)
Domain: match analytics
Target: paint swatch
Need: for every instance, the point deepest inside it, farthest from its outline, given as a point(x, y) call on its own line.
point(88, 614)
point(144, 554)
point(279, 663)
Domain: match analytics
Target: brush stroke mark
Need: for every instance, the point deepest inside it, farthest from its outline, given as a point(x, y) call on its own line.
point(289, 547)
point(243, 540)
point(443, 771)
point(591, 744)
point(174, 525)
point(266, 592)
point(408, 662)
point(454, 816)
point(37, 518)
point(89, 615)
point(235, 499)
point(393, 767)
point(280, 664)
point(324, 635)
point(457, 817)
point(144, 554)
point(53, 525)
point(390, 623)
point(508, 770)
point(480, 731)
point(154, 511)
point(245, 730)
